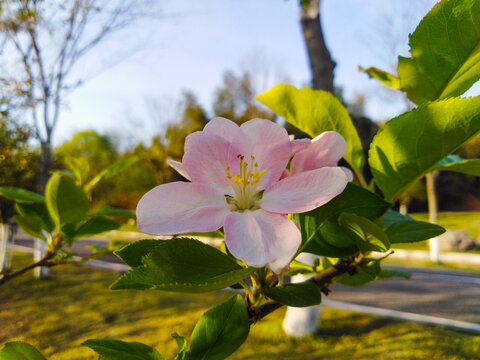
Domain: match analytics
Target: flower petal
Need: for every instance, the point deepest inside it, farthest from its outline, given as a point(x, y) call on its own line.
point(261, 238)
point(325, 150)
point(270, 144)
point(305, 191)
point(205, 158)
point(299, 144)
point(179, 167)
point(181, 207)
point(224, 128)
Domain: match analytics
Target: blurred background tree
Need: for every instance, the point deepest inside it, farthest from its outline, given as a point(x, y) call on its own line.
point(19, 164)
point(42, 43)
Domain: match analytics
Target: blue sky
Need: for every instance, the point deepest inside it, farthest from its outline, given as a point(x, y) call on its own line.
point(194, 42)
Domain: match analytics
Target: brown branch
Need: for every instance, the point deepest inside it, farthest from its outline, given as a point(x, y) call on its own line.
point(44, 261)
point(321, 280)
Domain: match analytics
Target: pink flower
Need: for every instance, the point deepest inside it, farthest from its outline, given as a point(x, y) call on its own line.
point(235, 182)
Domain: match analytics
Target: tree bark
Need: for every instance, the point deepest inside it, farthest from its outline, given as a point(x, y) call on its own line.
point(319, 57)
point(46, 163)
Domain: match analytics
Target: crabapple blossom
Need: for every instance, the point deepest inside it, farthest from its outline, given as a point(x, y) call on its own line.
point(237, 181)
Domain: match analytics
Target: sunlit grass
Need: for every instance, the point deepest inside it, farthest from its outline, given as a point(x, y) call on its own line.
point(58, 315)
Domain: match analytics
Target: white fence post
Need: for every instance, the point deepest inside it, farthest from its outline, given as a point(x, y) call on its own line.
point(299, 322)
point(40, 248)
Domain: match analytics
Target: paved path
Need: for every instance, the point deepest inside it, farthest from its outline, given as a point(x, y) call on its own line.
point(448, 294)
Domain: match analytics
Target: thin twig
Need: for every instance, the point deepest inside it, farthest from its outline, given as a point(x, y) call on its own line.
point(42, 262)
point(321, 280)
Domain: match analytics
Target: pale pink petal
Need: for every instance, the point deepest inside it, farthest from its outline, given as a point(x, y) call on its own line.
point(181, 207)
point(299, 144)
point(261, 238)
point(325, 150)
point(178, 166)
point(205, 160)
point(261, 131)
point(305, 191)
point(270, 145)
point(224, 128)
point(348, 172)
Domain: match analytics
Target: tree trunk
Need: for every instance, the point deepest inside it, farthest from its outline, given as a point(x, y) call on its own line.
point(321, 63)
point(40, 246)
point(303, 321)
point(46, 163)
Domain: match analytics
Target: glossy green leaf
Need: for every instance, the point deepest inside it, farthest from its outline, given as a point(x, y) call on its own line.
point(20, 195)
point(94, 226)
point(182, 347)
point(183, 265)
point(109, 349)
point(38, 212)
point(411, 145)
point(369, 236)
point(412, 231)
point(445, 52)
point(331, 240)
point(112, 211)
point(66, 202)
point(220, 331)
point(392, 217)
point(368, 272)
point(355, 200)
point(133, 253)
point(30, 225)
point(296, 295)
point(313, 112)
point(19, 350)
point(384, 77)
point(110, 172)
point(457, 164)
point(297, 267)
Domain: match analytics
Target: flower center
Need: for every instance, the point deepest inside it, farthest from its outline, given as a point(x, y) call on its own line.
point(244, 184)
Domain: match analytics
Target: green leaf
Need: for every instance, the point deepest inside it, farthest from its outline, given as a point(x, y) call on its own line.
point(445, 49)
point(19, 350)
point(412, 231)
point(94, 226)
point(220, 331)
point(133, 253)
point(313, 112)
point(183, 265)
point(297, 267)
point(354, 199)
point(109, 349)
point(457, 164)
point(368, 272)
point(66, 202)
point(20, 195)
point(37, 212)
point(30, 225)
point(369, 236)
point(296, 295)
point(384, 77)
point(392, 217)
point(112, 211)
point(110, 172)
point(182, 347)
point(79, 167)
point(331, 240)
point(399, 155)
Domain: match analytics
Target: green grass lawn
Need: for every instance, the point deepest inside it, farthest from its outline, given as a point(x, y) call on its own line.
point(59, 314)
